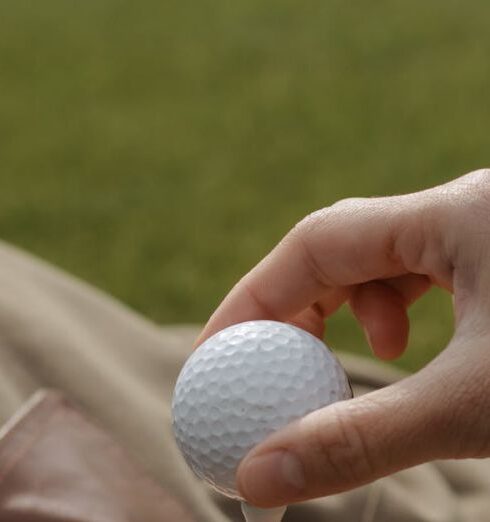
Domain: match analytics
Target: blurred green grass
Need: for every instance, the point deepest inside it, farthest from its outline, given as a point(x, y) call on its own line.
point(160, 149)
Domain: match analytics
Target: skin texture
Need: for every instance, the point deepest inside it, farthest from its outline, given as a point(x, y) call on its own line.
point(379, 255)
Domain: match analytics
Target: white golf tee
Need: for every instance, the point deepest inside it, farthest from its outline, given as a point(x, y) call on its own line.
point(254, 514)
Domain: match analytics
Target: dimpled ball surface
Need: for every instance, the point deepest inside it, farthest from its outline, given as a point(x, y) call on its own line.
point(241, 385)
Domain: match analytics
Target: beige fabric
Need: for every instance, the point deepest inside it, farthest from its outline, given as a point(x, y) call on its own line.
point(58, 332)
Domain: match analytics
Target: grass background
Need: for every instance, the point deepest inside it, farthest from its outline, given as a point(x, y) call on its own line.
point(160, 149)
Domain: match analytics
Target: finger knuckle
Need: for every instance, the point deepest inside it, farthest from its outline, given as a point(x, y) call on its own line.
point(306, 237)
point(344, 447)
point(481, 194)
point(479, 177)
point(310, 222)
point(353, 204)
point(468, 194)
point(326, 215)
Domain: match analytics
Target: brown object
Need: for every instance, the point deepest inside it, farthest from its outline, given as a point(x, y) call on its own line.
point(57, 465)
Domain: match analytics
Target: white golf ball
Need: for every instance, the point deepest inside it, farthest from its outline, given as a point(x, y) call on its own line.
point(243, 384)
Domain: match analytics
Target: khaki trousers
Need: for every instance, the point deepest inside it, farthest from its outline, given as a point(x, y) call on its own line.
point(58, 332)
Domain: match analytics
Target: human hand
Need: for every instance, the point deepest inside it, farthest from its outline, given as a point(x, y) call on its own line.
point(379, 255)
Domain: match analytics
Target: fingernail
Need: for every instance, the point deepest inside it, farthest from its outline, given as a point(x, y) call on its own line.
point(272, 477)
point(369, 339)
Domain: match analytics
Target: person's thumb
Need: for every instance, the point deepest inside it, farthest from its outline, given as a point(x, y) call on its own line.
point(354, 442)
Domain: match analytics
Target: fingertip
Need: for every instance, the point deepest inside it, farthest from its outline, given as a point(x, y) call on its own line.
point(310, 320)
point(388, 341)
point(383, 316)
point(203, 335)
point(271, 479)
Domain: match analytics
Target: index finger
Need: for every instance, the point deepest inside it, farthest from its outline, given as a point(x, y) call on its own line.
point(351, 242)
